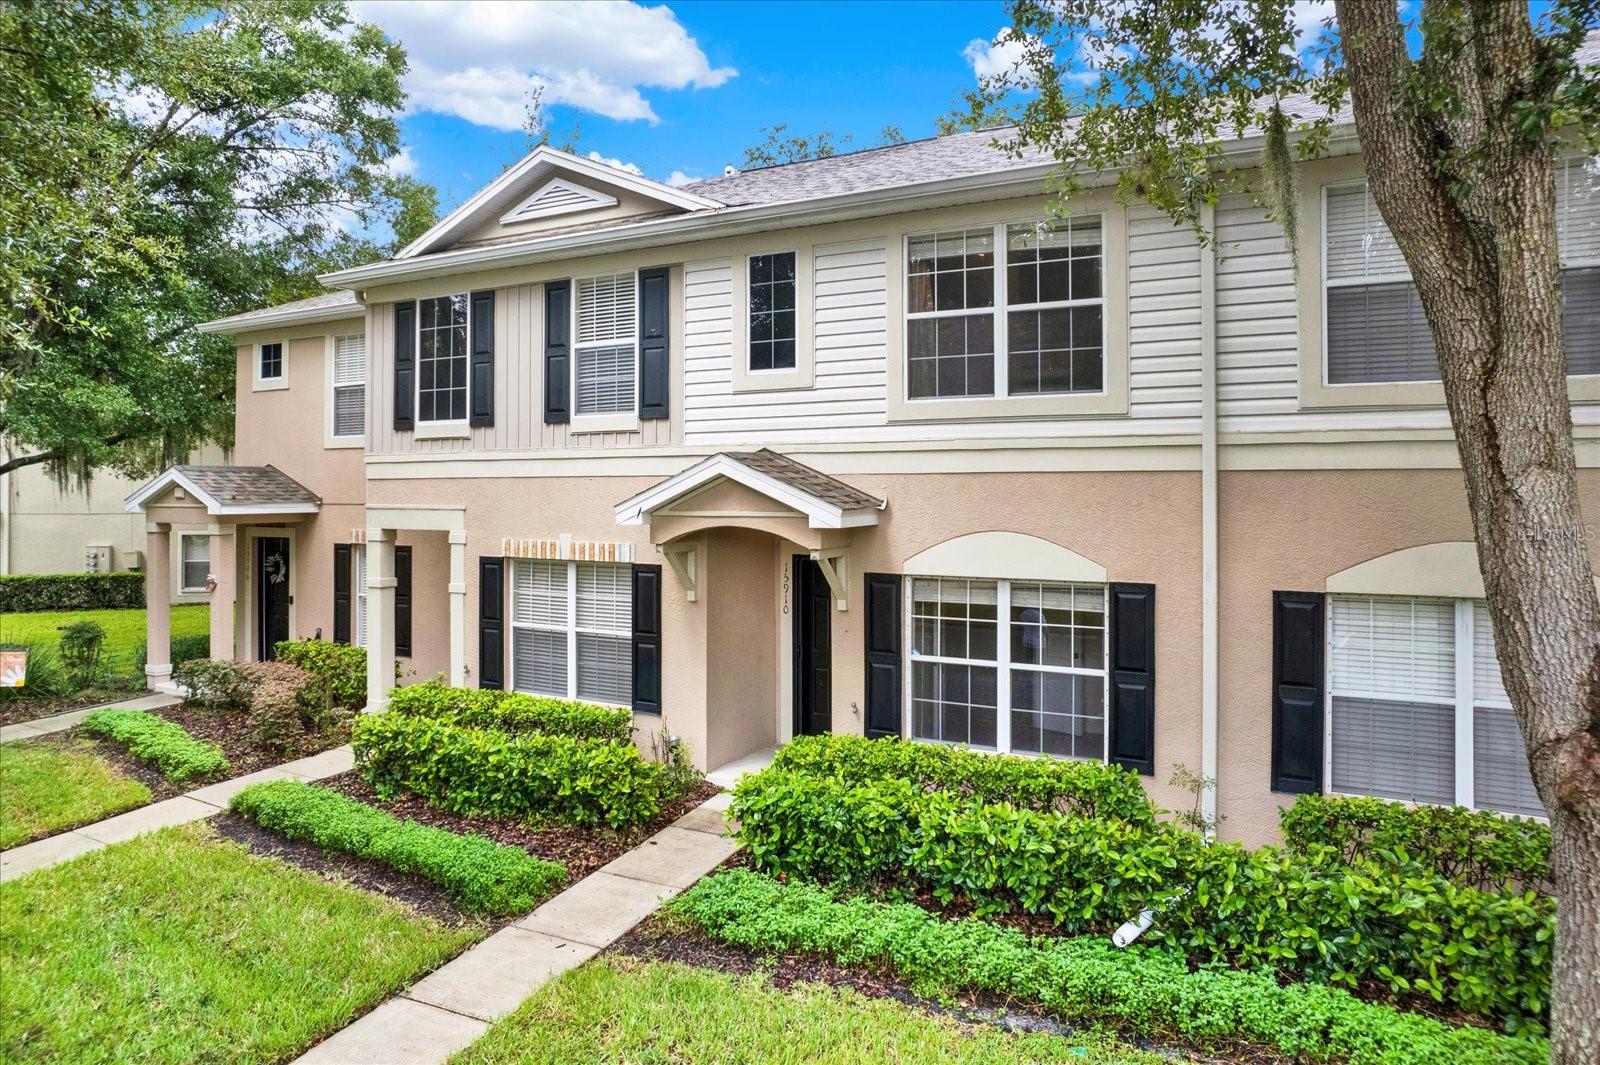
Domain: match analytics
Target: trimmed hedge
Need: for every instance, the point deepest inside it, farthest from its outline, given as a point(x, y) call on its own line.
point(338, 672)
point(1150, 991)
point(481, 876)
point(1088, 789)
point(165, 744)
point(1477, 848)
point(488, 771)
point(513, 711)
point(28, 592)
point(1309, 914)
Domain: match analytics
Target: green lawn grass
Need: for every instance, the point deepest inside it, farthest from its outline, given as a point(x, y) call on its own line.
point(654, 1013)
point(124, 629)
point(181, 947)
point(44, 788)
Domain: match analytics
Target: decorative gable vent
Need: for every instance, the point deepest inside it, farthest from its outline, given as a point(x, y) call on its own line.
point(558, 196)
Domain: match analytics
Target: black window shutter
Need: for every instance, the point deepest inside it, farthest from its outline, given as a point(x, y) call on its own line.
point(883, 654)
point(480, 364)
point(491, 622)
point(402, 601)
point(341, 593)
point(1133, 676)
point(654, 360)
point(405, 364)
point(557, 351)
point(1297, 648)
point(647, 639)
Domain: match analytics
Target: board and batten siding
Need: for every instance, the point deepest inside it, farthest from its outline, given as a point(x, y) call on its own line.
point(518, 389)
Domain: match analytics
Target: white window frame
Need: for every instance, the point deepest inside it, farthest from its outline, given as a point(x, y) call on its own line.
point(334, 439)
point(440, 427)
point(1002, 666)
point(358, 600)
point(572, 630)
point(278, 380)
point(184, 588)
point(610, 421)
point(1462, 703)
point(771, 371)
point(1001, 236)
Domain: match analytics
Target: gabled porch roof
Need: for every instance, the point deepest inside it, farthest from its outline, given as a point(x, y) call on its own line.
point(230, 490)
point(826, 502)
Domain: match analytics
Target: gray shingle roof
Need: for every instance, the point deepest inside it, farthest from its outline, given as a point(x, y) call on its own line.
point(804, 478)
point(328, 306)
point(247, 486)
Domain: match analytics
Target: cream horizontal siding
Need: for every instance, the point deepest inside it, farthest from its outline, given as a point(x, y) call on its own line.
point(1163, 324)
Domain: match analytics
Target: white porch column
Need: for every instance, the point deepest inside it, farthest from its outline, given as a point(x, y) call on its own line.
point(225, 592)
point(158, 603)
point(458, 607)
point(380, 618)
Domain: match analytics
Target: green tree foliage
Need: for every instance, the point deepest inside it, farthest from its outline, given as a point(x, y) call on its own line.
point(162, 163)
point(981, 108)
point(780, 147)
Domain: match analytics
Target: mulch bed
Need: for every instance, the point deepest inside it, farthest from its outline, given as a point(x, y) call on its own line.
point(660, 939)
point(21, 711)
point(231, 732)
point(581, 849)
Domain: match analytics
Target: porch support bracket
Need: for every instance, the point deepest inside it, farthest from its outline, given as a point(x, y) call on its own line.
point(684, 560)
point(834, 564)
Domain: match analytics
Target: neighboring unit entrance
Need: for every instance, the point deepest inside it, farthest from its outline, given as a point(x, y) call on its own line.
point(272, 594)
point(813, 655)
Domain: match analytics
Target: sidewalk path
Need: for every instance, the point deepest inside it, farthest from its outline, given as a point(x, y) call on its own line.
point(43, 726)
point(195, 805)
point(455, 1004)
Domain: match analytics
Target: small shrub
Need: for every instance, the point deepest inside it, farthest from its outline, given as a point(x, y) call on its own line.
point(513, 711)
point(47, 677)
point(488, 771)
point(1088, 789)
point(164, 744)
point(22, 593)
point(481, 876)
point(280, 715)
point(215, 683)
point(1150, 991)
point(183, 649)
point(1477, 848)
point(337, 671)
point(80, 646)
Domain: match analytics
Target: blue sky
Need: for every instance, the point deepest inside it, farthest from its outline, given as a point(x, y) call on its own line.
point(678, 89)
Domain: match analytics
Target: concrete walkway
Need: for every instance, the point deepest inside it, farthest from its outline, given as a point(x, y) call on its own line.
point(454, 1005)
point(43, 726)
point(195, 805)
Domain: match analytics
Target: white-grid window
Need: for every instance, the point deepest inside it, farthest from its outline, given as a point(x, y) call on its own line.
point(358, 561)
point(1026, 321)
point(442, 359)
point(195, 552)
point(1014, 666)
point(270, 364)
point(1416, 708)
point(572, 630)
point(606, 343)
point(349, 385)
point(1373, 322)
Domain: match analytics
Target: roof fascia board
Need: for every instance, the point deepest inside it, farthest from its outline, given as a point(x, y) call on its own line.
point(269, 319)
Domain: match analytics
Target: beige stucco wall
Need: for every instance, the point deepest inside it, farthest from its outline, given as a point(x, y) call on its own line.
point(742, 693)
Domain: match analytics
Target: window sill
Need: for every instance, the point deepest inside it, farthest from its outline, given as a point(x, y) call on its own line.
point(785, 380)
point(605, 423)
point(1112, 402)
point(269, 384)
point(442, 431)
point(337, 442)
point(1315, 395)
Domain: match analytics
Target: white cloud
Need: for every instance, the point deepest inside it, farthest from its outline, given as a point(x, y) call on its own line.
point(1308, 17)
point(401, 163)
point(995, 57)
point(480, 59)
point(677, 179)
point(632, 168)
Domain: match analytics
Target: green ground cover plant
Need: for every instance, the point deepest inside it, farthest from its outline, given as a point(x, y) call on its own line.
point(513, 711)
point(1148, 991)
point(1311, 913)
point(178, 947)
point(71, 592)
point(482, 876)
point(164, 744)
point(619, 1010)
point(45, 788)
point(125, 630)
point(521, 775)
point(1088, 789)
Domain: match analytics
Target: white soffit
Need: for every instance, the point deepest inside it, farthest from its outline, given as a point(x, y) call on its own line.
point(1004, 555)
point(558, 196)
point(1447, 570)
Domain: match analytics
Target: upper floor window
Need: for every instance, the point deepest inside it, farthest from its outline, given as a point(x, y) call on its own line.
point(442, 359)
point(349, 385)
point(1006, 310)
point(195, 551)
point(772, 311)
point(606, 343)
point(1375, 328)
point(270, 365)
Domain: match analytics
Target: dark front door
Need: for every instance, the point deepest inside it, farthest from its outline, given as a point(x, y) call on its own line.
point(813, 655)
point(272, 594)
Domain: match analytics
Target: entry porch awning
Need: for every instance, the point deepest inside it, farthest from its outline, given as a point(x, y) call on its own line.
point(228, 491)
point(825, 502)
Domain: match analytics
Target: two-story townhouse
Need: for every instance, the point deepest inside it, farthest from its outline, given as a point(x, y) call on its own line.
point(867, 444)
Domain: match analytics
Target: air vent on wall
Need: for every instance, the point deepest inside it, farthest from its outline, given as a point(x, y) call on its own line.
point(558, 196)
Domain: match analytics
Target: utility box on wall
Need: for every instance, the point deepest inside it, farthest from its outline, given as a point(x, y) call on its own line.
point(97, 558)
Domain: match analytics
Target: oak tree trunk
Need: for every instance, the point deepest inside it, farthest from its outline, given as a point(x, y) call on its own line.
point(1470, 200)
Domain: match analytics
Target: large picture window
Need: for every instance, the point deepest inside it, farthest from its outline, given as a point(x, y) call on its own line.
point(442, 359)
point(607, 343)
point(1374, 325)
point(1014, 666)
point(1006, 310)
point(1411, 683)
point(571, 630)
